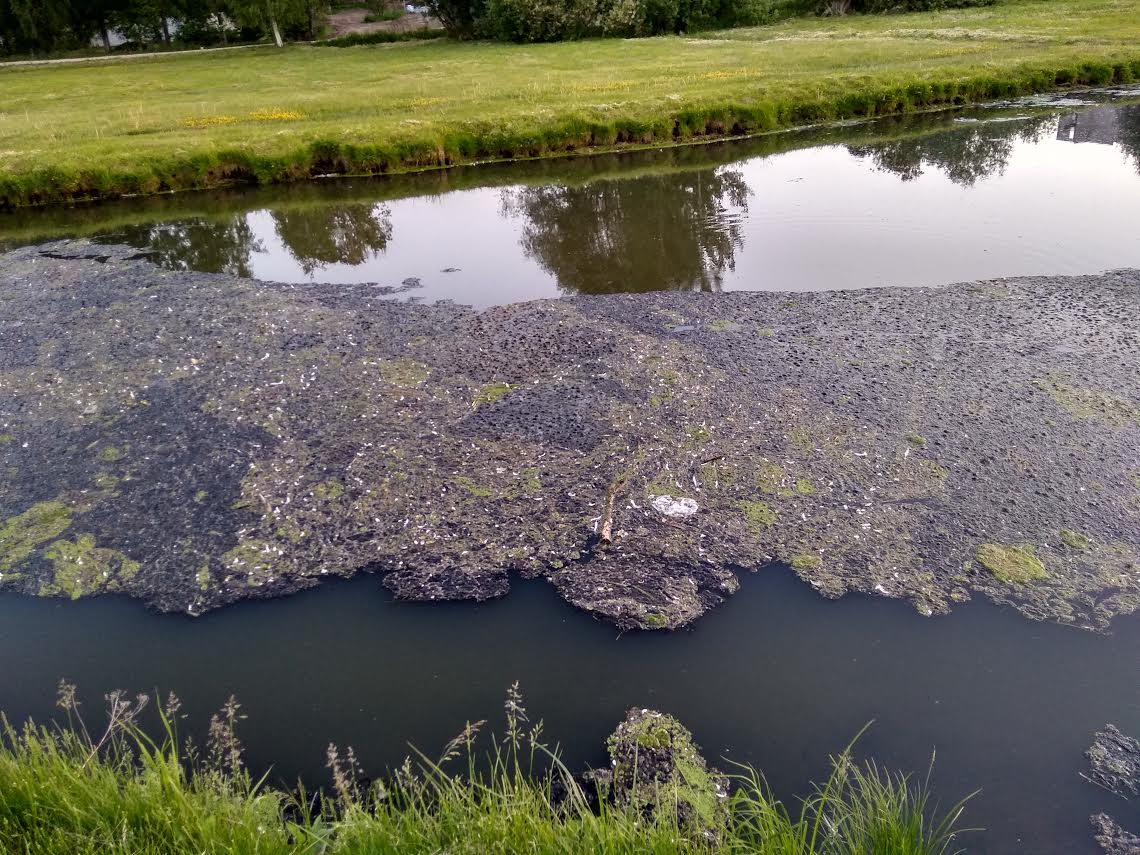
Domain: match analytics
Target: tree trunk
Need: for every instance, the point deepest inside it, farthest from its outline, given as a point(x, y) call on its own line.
point(222, 26)
point(106, 36)
point(166, 30)
point(276, 32)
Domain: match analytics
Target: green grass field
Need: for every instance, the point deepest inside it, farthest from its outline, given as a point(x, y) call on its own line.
point(185, 121)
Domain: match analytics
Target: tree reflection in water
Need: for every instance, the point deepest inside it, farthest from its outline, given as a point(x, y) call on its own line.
point(674, 231)
point(210, 246)
point(313, 236)
point(965, 154)
point(333, 234)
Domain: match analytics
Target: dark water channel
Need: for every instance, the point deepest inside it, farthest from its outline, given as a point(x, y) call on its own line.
point(777, 677)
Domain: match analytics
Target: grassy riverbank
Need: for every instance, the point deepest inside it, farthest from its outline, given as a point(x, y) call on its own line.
point(112, 790)
point(185, 121)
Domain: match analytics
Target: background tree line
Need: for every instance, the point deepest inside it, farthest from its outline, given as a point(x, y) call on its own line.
point(36, 27)
point(557, 20)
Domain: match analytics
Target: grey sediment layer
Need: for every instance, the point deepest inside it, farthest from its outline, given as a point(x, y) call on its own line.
point(194, 439)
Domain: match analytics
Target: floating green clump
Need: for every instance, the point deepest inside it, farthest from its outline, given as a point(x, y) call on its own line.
point(722, 325)
point(6, 438)
point(490, 393)
point(82, 568)
point(106, 481)
point(655, 621)
point(474, 489)
point(21, 534)
point(254, 558)
point(805, 561)
point(916, 439)
point(1015, 565)
point(804, 486)
point(203, 578)
point(329, 490)
point(1087, 403)
point(1074, 539)
point(110, 454)
point(406, 373)
point(770, 479)
point(757, 515)
point(802, 441)
point(934, 470)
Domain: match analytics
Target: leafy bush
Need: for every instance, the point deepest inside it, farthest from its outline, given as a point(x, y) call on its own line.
point(381, 37)
point(558, 20)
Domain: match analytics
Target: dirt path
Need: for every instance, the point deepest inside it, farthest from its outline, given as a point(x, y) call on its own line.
point(123, 56)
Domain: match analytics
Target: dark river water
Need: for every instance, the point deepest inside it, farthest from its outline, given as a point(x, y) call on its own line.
point(777, 677)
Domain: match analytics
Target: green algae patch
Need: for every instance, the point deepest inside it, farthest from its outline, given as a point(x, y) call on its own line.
point(21, 534)
point(1075, 539)
point(722, 325)
point(6, 439)
point(405, 373)
point(1090, 403)
point(916, 439)
point(934, 470)
point(110, 454)
point(477, 490)
point(531, 479)
point(253, 561)
point(1014, 565)
point(106, 481)
point(329, 490)
point(81, 568)
point(757, 515)
point(655, 621)
point(806, 561)
point(770, 479)
point(802, 441)
point(203, 578)
point(804, 486)
point(489, 394)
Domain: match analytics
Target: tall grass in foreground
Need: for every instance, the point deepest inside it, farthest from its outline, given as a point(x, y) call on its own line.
point(68, 790)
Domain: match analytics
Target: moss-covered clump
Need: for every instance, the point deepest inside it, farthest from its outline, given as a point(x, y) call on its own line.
point(81, 568)
point(1014, 565)
point(405, 373)
point(1090, 403)
point(1075, 539)
point(757, 515)
point(21, 534)
point(489, 394)
point(656, 763)
point(805, 561)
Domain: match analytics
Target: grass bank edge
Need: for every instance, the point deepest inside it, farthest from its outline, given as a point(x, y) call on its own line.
point(568, 135)
point(115, 789)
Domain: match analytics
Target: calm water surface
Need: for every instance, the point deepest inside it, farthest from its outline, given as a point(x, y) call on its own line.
point(1045, 187)
point(776, 677)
